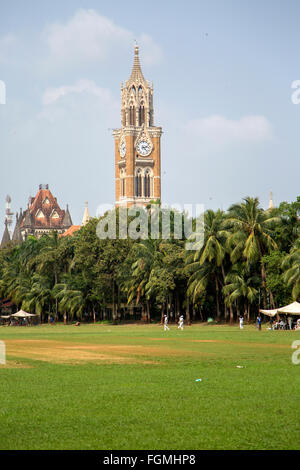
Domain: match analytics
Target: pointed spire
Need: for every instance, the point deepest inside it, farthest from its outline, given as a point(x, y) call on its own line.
point(15, 236)
point(86, 215)
point(67, 222)
point(271, 204)
point(136, 74)
point(6, 236)
point(27, 219)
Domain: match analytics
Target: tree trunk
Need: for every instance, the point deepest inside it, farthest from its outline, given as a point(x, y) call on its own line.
point(148, 311)
point(113, 302)
point(187, 311)
point(162, 313)
point(231, 314)
point(94, 315)
point(217, 298)
point(272, 300)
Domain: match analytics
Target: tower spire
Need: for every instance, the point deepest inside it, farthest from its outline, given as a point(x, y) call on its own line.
point(6, 236)
point(271, 203)
point(136, 74)
point(86, 215)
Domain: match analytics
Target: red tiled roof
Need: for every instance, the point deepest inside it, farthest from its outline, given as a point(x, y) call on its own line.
point(70, 232)
point(39, 204)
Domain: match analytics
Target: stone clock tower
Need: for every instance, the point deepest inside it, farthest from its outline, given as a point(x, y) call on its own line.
point(137, 143)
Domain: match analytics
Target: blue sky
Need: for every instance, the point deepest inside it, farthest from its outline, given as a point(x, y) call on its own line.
point(222, 73)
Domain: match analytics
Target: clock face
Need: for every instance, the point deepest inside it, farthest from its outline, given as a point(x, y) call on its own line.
point(144, 148)
point(123, 149)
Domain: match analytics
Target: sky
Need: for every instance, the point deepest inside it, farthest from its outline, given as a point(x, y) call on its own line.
point(222, 70)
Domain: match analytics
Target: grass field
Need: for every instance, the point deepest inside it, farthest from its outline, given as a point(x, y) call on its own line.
point(133, 387)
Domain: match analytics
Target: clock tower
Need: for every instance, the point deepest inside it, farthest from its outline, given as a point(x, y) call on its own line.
point(137, 143)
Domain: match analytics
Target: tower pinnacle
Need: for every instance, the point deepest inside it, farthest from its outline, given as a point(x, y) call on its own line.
point(136, 74)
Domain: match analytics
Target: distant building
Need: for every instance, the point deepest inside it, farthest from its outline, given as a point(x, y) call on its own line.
point(74, 228)
point(271, 203)
point(42, 216)
point(137, 143)
point(6, 237)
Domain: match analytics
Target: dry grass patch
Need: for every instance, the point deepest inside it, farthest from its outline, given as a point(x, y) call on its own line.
point(63, 352)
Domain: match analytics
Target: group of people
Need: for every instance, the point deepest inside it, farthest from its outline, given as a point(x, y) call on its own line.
point(285, 324)
point(180, 323)
point(280, 324)
point(258, 322)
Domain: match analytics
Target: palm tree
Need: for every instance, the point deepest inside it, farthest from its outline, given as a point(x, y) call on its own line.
point(252, 235)
point(207, 263)
point(39, 296)
point(240, 287)
point(291, 265)
point(144, 253)
point(69, 300)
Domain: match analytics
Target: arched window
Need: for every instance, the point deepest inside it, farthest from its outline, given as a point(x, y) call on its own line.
point(132, 115)
point(147, 183)
point(123, 183)
point(138, 183)
point(141, 114)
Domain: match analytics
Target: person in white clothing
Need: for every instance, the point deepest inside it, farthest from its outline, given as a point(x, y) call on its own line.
point(241, 322)
point(166, 323)
point(180, 322)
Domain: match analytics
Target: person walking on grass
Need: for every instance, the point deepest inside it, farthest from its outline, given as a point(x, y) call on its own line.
point(258, 321)
point(166, 323)
point(241, 322)
point(180, 323)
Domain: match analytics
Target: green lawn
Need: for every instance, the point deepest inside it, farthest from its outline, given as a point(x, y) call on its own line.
point(141, 393)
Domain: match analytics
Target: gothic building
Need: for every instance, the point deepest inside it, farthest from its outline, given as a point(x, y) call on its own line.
point(43, 215)
point(137, 143)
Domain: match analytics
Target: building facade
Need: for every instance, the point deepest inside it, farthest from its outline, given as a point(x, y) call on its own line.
point(43, 215)
point(137, 143)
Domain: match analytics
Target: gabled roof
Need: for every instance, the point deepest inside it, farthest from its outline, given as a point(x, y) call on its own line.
point(44, 212)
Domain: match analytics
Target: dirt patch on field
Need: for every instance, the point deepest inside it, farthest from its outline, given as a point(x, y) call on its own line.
point(63, 352)
point(242, 343)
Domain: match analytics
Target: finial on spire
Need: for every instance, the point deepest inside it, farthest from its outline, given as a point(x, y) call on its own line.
point(136, 47)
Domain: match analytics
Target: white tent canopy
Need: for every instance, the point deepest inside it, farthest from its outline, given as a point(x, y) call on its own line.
point(22, 314)
point(269, 313)
point(292, 309)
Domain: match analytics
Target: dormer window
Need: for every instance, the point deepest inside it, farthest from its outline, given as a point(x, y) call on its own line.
point(39, 214)
point(54, 215)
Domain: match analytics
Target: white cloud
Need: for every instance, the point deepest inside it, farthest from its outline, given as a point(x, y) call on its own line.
point(82, 86)
point(220, 130)
point(84, 100)
point(90, 37)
